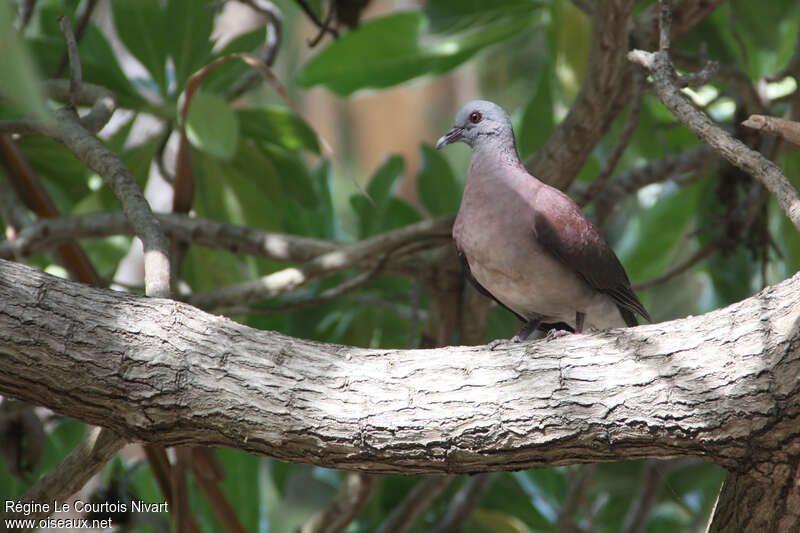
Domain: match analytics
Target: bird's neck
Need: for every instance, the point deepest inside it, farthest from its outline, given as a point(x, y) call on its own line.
point(490, 156)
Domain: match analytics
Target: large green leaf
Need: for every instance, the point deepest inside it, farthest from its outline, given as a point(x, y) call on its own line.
point(189, 39)
point(212, 126)
point(239, 485)
point(661, 228)
point(222, 78)
point(392, 49)
point(450, 16)
point(538, 120)
point(98, 60)
point(142, 28)
point(19, 80)
point(278, 125)
point(372, 210)
point(438, 190)
point(296, 180)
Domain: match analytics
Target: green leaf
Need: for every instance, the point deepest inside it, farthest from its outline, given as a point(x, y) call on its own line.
point(296, 180)
point(239, 484)
point(278, 125)
point(499, 522)
point(662, 226)
point(189, 39)
point(142, 28)
point(19, 79)
point(371, 213)
point(449, 16)
point(222, 78)
point(390, 50)
point(538, 120)
point(438, 190)
point(100, 66)
point(212, 126)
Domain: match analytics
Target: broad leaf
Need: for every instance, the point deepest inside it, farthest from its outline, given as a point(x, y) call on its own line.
point(142, 28)
point(19, 79)
point(278, 125)
point(538, 120)
point(392, 49)
point(212, 126)
point(189, 39)
point(437, 187)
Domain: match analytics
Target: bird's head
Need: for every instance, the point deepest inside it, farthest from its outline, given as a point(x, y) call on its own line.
point(477, 122)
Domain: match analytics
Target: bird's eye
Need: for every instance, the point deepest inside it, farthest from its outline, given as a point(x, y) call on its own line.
point(475, 117)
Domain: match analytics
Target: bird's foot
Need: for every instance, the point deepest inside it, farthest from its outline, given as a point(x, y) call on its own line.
point(499, 342)
point(556, 334)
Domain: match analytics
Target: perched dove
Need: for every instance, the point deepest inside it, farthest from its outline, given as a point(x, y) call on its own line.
point(528, 245)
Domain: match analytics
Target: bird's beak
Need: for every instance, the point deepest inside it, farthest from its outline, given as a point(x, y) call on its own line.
point(449, 138)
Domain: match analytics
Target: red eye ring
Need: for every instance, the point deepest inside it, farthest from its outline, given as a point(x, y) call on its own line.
point(475, 117)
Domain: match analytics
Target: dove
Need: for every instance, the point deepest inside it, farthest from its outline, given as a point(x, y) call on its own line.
point(526, 244)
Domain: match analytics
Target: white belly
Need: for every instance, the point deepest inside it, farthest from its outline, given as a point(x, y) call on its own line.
point(533, 283)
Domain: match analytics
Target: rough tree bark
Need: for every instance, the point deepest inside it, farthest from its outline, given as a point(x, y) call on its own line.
point(722, 386)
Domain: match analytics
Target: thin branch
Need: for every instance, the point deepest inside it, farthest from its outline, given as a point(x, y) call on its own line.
point(270, 49)
point(462, 503)
point(736, 78)
point(622, 143)
point(325, 297)
point(558, 161)
point(406, 312)
point(734, 151)
point(26, 8)
point(696, 258)
point(72, 473)
point(71, 133)
point(704, 76)
point(83, 23)
point(574, 499)
point(76, 73)
point(291, 279)
point(30, 190)
point(693, 162)
point(788, 130)
point(353, 495)
point(653, 475)
point(421, 496)
point(208, 474)
point(44, 234)
point(14, 213)
point(323, 26)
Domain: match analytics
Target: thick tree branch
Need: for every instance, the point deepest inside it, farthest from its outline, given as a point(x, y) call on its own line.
point(607, 87)
point(558, 161)
point(720, 386)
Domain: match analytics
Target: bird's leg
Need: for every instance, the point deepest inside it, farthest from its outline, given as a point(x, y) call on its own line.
point(579, 321)
point(524, 332)
point(556, 333)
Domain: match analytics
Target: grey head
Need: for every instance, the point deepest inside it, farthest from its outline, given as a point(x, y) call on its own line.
point(478, 123)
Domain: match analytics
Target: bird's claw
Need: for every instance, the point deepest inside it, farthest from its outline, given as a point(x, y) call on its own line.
point(498, 342)
point(557, 334)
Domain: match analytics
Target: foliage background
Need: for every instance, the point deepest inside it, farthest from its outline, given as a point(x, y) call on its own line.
point(392, 85)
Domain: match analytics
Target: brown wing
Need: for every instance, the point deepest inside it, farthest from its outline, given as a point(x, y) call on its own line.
point(562, 228)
